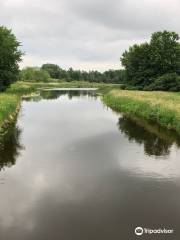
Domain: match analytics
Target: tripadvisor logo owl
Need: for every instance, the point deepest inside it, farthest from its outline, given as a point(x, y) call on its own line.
point(139, 231)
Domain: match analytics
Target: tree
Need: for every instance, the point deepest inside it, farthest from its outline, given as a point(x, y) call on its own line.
point(165, 52)
point(52, 69)
point(110, 76)
point(34, 74)
point(137, 64)
point(146, 62)
point(10, 56)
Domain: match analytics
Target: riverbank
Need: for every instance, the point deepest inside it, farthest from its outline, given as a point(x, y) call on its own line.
point(160, 107)
point(9, 107)
point(11, 99)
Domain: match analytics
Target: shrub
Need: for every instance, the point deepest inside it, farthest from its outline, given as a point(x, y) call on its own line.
point(34, 74)
point(166, 82)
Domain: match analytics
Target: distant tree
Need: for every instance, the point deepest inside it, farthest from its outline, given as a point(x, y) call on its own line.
point(110, 76)
point(34, 74)
point(62, 74)
point(10, 56)
point(52, 69)
point(114, 76)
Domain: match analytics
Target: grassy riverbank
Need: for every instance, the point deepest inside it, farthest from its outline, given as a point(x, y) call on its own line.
point(160, 107)
point(9, 104)
point(11, 99)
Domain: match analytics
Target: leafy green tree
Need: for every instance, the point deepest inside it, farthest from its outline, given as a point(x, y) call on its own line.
point(10, 56)
point(63, 74)
point(52, 69)
point(165, 52)
point(34, 74)
point(138, 65)
point(146, 62)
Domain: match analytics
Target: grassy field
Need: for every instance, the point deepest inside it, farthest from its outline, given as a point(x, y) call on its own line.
point(11, 99)
point(160, 107)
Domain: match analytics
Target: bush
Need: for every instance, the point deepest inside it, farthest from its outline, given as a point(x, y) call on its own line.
point(34, 74)
point(131, 87)
point(166, 82)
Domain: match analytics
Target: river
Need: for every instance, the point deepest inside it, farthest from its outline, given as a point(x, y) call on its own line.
point(72, 169)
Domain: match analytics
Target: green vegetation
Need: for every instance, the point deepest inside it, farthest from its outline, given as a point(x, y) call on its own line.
point(52, 72)
point(154, 65)
point(9, 105)
point(160, 107)
point(10, 56)
point(34, 74)
point(111, 76)
point(27, 87)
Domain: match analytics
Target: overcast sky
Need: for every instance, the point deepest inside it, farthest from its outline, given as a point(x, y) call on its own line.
point(85, 34)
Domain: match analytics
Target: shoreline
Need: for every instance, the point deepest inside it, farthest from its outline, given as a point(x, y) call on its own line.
point(162, 108)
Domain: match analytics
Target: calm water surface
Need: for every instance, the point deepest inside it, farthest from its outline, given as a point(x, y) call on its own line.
point(72, 169)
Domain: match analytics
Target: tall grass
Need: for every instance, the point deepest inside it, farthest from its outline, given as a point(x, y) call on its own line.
point(21, 88)
point(8, 107)
point(160, 107)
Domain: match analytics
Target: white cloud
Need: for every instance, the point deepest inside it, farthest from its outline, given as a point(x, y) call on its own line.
point(85, 34)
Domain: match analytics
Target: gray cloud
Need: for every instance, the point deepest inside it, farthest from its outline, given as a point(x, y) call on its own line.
point(85, 34)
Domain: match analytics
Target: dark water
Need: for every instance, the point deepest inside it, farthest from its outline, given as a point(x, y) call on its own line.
point(71, 169)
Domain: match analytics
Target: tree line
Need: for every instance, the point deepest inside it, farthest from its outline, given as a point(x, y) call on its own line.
point(153, 65)
point(50, 71)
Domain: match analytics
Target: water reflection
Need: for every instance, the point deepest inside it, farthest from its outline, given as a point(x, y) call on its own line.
point(10, 147)
point(55, 94)
point(156, 140)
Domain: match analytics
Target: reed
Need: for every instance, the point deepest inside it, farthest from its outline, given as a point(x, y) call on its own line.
point(9, 104)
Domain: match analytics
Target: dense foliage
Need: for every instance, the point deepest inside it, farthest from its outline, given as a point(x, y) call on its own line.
point(53, 70)
point(110, 76)
point(34, 74)
point(10, 56)
point(154, 65)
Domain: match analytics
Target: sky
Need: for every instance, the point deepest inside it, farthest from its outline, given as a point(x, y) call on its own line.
point(85, 34)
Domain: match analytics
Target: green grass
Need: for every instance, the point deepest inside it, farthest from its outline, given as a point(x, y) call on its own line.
point(21, 88)
point(8, 108)
point(160, 107)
